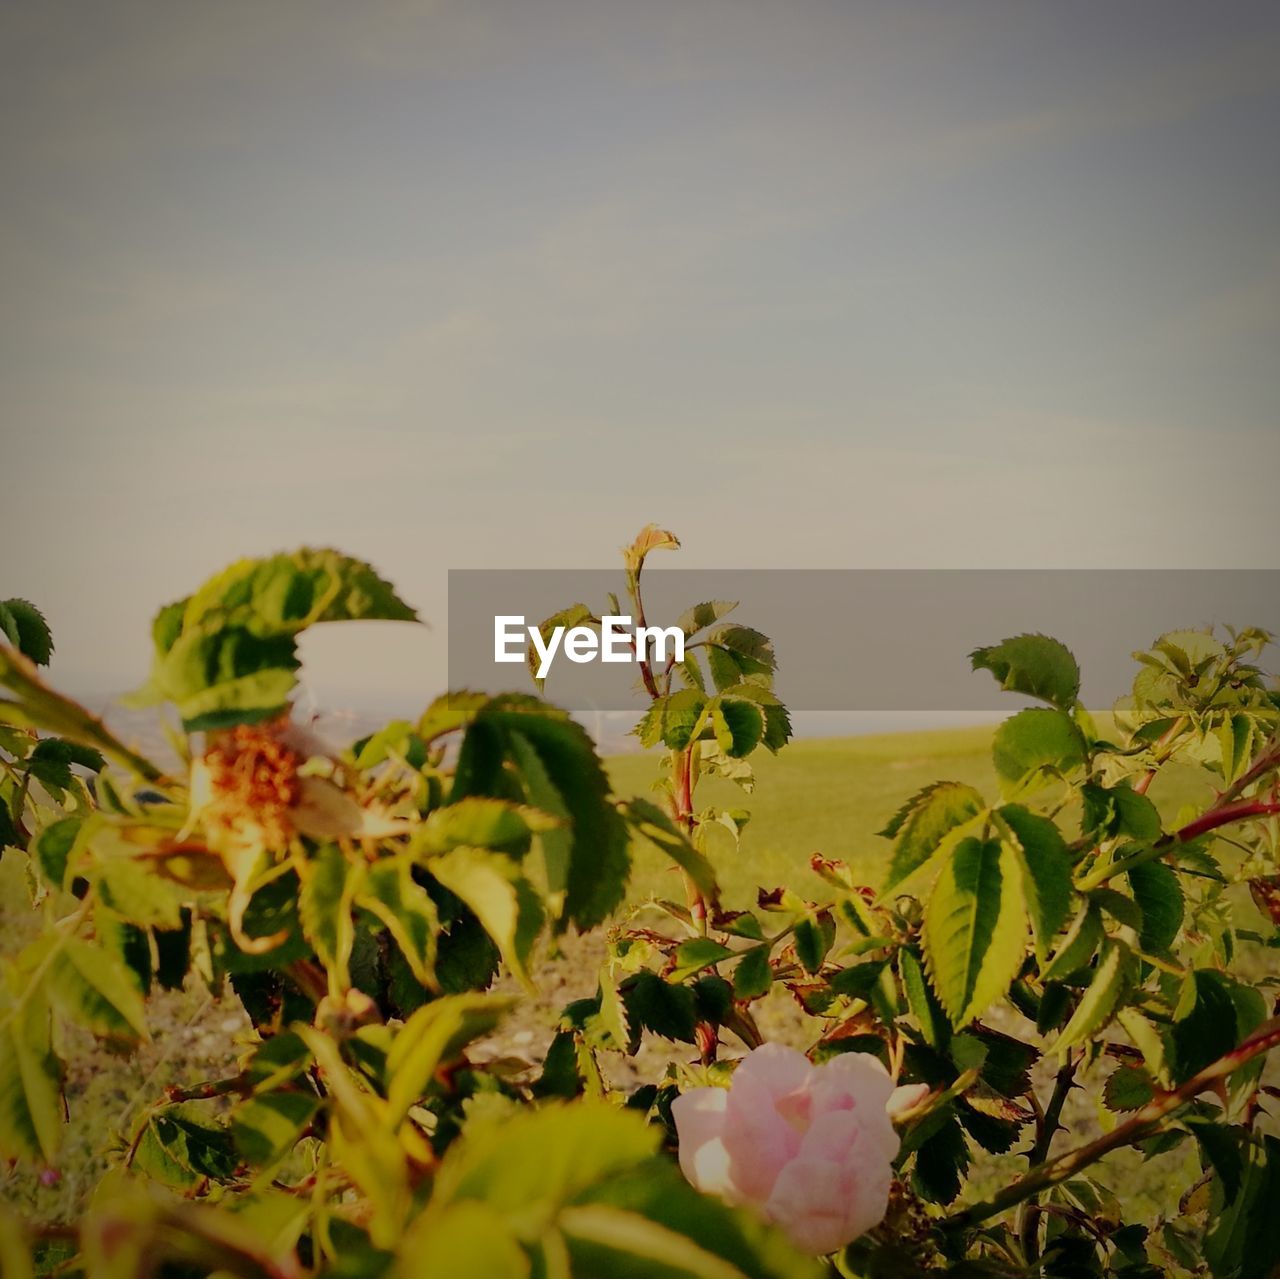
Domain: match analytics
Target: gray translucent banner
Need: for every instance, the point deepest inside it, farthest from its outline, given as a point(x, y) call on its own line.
point(866, 639)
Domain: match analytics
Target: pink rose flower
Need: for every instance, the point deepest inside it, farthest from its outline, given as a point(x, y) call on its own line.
point(810, 1147)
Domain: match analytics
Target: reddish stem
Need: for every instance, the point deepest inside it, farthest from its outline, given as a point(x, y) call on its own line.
point(1216, 817)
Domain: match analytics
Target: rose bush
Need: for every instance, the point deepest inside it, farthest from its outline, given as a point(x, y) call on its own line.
point(1106, 919)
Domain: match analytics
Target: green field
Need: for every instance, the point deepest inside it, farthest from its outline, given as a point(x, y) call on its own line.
point(827, 796)
point(831, 796)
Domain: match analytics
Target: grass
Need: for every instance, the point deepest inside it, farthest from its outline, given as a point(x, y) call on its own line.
point(827, 796)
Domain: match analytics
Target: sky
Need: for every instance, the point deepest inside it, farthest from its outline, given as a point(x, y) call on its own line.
point(953, 284)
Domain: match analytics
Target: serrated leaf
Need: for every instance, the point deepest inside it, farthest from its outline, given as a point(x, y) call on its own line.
point(1149, 1042)
point(502, 899)
point(481, 822)
point(648, 820)
point(325, 908)
point(181, 1145)
point(657, 1005)
point(1035, 741)
point(703, 615)
point(696, 954)
point(1128, 1088)
point(1044, 864)
point(975, 928)
point(1159, 894)
point(1078, 946)
point(24, 626)
point(227, 654)
point(406, 909)
point(52, 847)
point(130, 889)
point(922, 1004)
point(923, 822)
point(434, 1036)
point(813, 936)
point(753, 976)
point(1033, 664)
point(1110, 981)
point(266, 1128)
point(92, 988)
point(30, 1084)
point(738, 726)
point(574, 615)
point(672, 720)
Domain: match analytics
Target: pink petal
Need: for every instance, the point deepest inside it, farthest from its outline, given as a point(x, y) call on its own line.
point(699, 1116)
point(810, 1204)
point(852, 1080)
point(780, 1069)
point(759, 1140)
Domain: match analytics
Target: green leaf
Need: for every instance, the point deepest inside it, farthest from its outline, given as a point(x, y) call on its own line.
point(266, 1128)
point(559, 772)
point(52, 849)
point(617, 1238)
point(1157, 891)
point(975, 928)
point(574, 615)
point(30, 1084)
point(1127, 1088)
point(672, 720)
point(137, 894)
point(649, 820)
point(502, 899)
point(1077, 947)
point(703, 615)
point(1033, 664)
point(694, 955)
point(777, 722)
point(1033, 742)
point(1149, 1042)
point(1111, 979)
point(1243, 1240)
point(1205, 1024)
point(481, 822)
point(665, 1009)
point(433, 1037)
point(24, 626)
point(941, 1162)
point(813, 936)
point(180, 1146)
point(924, 822)
point(531, 1159)
point(922, 1004)
point(92, 988)
point(467, 1238)
point(752, 977)
point(738, 726)
point(227, 654)
point(324, 907)
point(406, 909)
point(1044, 865)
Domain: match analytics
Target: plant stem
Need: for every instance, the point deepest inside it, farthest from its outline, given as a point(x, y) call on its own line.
point(1219, 815)
point(1133, 1129)
point(682, 790)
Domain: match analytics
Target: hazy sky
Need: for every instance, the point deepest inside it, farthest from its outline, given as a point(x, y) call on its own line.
point(493, 284)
